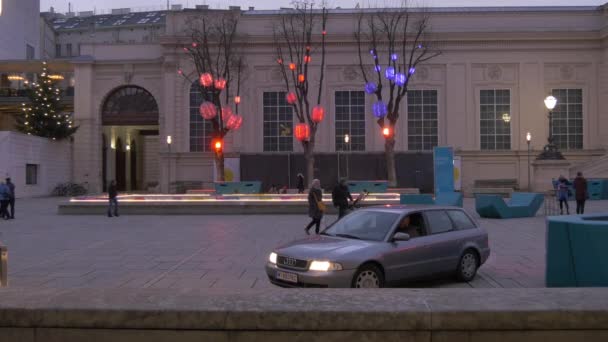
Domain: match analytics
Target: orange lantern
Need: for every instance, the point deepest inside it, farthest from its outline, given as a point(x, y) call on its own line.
point(217, 145)
point(237, 99)
point(220, 84)
point(226, 113)
point(386, 132)
point(206, 80)
point(301, 78)
point(302, 131)
point(292, 66)
point(306, 59)
point(318, 113)
point(291, 98)
point(208, 110)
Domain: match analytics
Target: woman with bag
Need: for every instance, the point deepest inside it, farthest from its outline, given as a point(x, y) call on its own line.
point(316, 207)
point(563, 192)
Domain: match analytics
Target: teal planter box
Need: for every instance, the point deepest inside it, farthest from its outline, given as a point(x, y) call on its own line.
point(453, 199)
point(356, 187)
point(416, 199)
point(521, 204)
point(224, 188)
point(576, 251)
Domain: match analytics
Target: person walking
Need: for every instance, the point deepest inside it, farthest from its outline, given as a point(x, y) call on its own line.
point(4, 199)
point(316, 208)
point(11, 199)
point(340, 196)
point(300, 185)
point(112, 199)
point(580, 192)
point(562, 194)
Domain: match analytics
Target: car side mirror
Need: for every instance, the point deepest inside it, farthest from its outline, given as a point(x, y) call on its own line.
point(401, 237)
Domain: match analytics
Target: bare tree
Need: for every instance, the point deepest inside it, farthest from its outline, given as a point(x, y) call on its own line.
point(298, 36)
point(219, 65)
point(397, 41)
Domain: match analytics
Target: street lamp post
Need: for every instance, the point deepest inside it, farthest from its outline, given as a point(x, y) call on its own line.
point(528, 139)
point(346, 141)
point(550, 151)
point(169, 141)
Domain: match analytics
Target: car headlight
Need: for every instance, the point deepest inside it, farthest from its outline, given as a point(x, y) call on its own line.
point(324, 266)
point(273, 258)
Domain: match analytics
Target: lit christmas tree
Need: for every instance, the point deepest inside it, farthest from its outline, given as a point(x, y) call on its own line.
point(43, 116)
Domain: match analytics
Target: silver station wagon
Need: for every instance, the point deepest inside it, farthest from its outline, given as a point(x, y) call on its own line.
point(383, 246)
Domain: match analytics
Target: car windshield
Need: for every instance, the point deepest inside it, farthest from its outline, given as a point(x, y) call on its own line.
point(363, 225)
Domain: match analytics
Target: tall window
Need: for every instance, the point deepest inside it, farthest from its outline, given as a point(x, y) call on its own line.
point(30, 52)
point(68, 48)
point(31, 174)
point(278, 123)
point(57, 50)
point(201, 130)
point(495, 126)
point(422, 120)
point(568, 119)
point(350, 119)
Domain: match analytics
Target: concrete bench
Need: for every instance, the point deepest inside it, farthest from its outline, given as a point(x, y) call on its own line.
point(576, 251)
point(521, 204)
point(375, 187)
point(504, 187)
point(254, 187)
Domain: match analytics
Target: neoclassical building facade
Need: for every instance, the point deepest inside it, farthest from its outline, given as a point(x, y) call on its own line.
point(494, 61)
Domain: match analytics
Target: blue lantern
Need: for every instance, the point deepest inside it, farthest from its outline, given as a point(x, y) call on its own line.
point(400, 79)
point(380, 109)
point(394, 56)
point(389, 73)
point(420, 46)
point(378, 68)
point(372, 52)
point(412, 70)
point(370, 87)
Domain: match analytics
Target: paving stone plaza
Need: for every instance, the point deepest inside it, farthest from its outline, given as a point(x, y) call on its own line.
point(52, 251)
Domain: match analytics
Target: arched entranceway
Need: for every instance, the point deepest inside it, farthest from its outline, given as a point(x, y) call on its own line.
point(129, 117)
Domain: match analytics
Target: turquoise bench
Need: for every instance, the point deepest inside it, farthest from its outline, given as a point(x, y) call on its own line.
point(443, 198)
point(521, 204)
point(356, 187)
point(223, 188)
point(576, 251)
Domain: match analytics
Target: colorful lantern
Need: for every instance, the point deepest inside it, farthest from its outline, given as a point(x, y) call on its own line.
point(226, 113)
point(412, 70)
point(292, 66)
point(377, 68)
point(318, 113)
point(220, 84)
point(237, 99)
point(371, 87)
point(400, 79)
point(389, 73)
point(291, 97)
point(394, 57)
point(280, 60)
point(372, 52)
point(324, 32)
point(180, 71)
point(306, 59)
point(194, 44)
point(234, 122)
point(302, 131)
point(380, 109)
point(386, 132)
point(206, 80)
point(208, 110)
point(301, 78)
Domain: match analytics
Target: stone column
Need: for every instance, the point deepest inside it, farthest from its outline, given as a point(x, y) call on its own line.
point(546, 170)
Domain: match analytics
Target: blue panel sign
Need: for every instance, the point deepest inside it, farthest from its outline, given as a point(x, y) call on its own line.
point(443, 162)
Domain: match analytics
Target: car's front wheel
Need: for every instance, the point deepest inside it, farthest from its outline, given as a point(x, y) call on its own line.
point(467, 267)
point(368, 276)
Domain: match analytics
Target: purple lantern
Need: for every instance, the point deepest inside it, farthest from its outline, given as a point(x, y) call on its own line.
point(400, 79)
point(389, 73)
point(394, 56)
point(380, 109)
point(378, 68)
point(420, 46)
point(412, 70)
point(372, 52)
point(370, 87)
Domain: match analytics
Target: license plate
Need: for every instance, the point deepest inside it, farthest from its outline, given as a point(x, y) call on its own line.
point(290, 277)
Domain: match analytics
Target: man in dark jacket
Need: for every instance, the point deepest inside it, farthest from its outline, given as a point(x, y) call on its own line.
point(340, 196)
point(113, 201)
point(580, 192)
point(11, 198)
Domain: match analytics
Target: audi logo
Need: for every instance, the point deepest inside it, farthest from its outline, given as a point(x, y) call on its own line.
point(289, 261)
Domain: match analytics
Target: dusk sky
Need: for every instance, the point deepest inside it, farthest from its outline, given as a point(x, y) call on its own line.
point(105, 5)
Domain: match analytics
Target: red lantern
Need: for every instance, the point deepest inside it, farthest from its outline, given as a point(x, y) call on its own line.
point(306, 59)
point(237, 99)
point(194, 44)
point(292, 66)
point(302, 131)
point(180, 71)
point(301, 78)
point(208, 110)
point(318, 113)
point(234, 122)
point(280, 60)
point(291, 98)
point(206, 80)
point(226, 113)
point(324, 32)
point(220, 84)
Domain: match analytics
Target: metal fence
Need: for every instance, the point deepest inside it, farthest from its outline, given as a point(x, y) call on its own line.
point(551, 203)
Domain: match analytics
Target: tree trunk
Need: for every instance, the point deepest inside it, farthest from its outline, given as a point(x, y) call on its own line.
point(219, 167)
point(389, 153)
point(310, 163)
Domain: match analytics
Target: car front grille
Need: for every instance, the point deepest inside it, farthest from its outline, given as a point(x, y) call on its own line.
point(288, 262)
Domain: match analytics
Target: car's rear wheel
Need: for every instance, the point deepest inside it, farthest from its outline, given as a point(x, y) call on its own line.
point(368, 276)
point(468, 265)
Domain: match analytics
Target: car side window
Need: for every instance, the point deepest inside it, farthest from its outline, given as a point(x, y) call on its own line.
point(413, 225)
point(439, 221)
point(460, 220)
